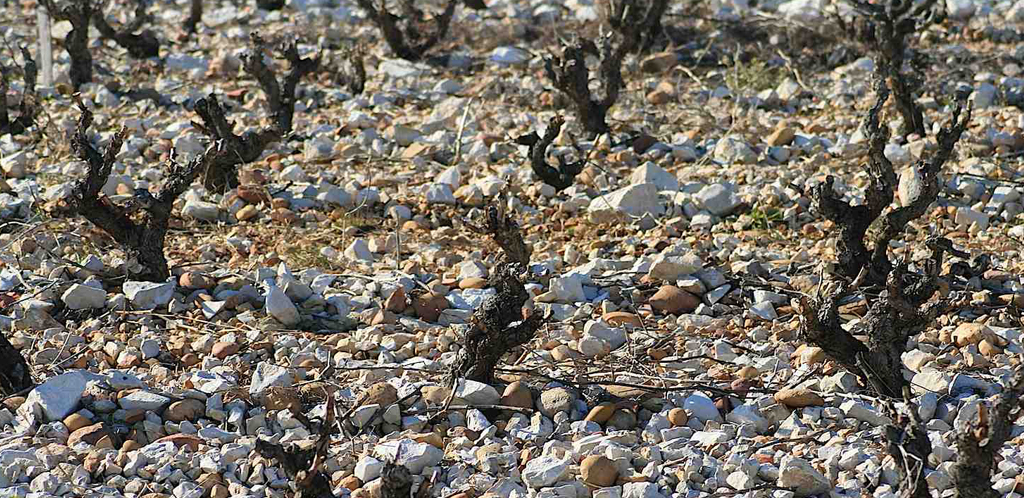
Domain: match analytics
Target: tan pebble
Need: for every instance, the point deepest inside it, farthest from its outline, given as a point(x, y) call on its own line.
point(624, 419)
point(435, 394)
point(247, 213)
point(620, 318)
point(799, 398)
point(972, 333)
point(517, 394)
point(657, 354)
point(562, 353)
point(429, 306)
point(473, 283)
point(219, 491)
point(601, 413)
point(190, 360)
point(677, 417)
point(183, 440)
point(672, 300)
point(76, 421)
point(748, 372)
point(195, 280)
point(396, 301)
point(381, 393)
point(598, 471)
point(224, 349)
point(988, 349)
point(351, 483)
point(432, 438)
point(781, 136)
point(90, 434)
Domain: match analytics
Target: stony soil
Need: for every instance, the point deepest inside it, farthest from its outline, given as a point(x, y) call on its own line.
point(669, 362)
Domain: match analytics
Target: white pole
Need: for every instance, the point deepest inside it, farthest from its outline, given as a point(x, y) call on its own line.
point(45, 46)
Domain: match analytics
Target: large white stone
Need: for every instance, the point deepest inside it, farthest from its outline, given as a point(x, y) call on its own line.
point(670, 268)
point(148, 295)
point(359, 250)
point(960, 9)
point(476, 393)
point(641, 490)
point(267, 375)
point(632, 201)
point(965, 217)
point(81, 297)
point(860, 411)
point(808, 11)
point(702, 407)
point(368, 468)
point(279, 306)
point(510, 55)
point(749, 414)
point(568, 289)
point(544, 471)
point(440, 193)
point(733, 149)
point(410, 454)
point(203, 211)
point(719, 199)
point(798, 473)
point(649, 172)
point(58, 397)
point(614, 336)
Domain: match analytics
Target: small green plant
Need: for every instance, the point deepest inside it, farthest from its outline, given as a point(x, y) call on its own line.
point(764, 218)
point(753, 76)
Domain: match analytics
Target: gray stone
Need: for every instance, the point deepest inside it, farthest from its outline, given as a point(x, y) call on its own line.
point(733, 149)
point(960, 9)
point(764, 296)
point(927, 405)
point(399, 68)
point(764, 310)
point(509, 55)
point(552, 401)
point(143, 400)
point(985, 95)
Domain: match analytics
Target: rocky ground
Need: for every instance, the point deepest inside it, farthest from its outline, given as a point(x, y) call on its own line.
point(326, 299)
